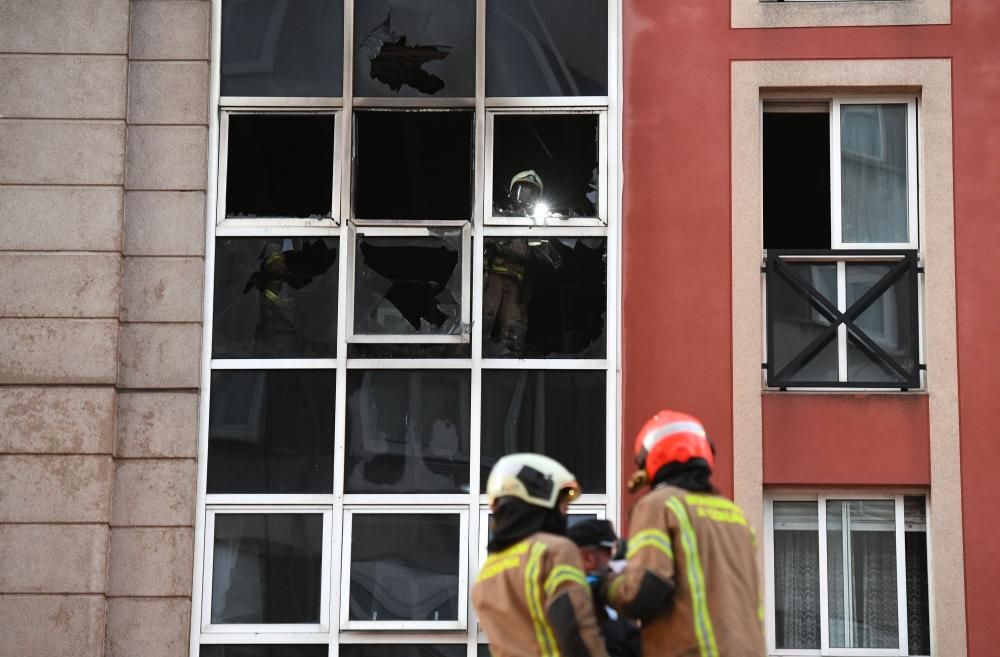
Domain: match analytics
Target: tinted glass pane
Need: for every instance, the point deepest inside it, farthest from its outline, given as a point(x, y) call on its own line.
point(271, 431)
point(544, 297)
point(413, 164)
point(281, 48)
point(267, 568)
point(415, 48)
point(547, 48)
point(408, 285)
point(796, 575)
point(407, 431)
point(408, 350)
point(308, 650)
point(404, 567)
point(557, 413)
point(275, 297)
point(917, 600)
point(888, 321)
point(861, 573)
point(402, 650)
point(562, 151)
point(873, 173)
point(279, 166)
point(796, 323)
point(483, 650)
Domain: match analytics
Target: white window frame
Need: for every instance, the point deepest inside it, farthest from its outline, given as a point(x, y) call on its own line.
point(266, 632)
point(820, 499)
point(602, 169)
point(463, 568)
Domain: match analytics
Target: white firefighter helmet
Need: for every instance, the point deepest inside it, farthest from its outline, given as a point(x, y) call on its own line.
point(534, 478)
point(526, 177)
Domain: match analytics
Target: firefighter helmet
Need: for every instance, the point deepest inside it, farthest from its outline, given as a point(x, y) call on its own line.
point(526, 177)
point(533, 478)
point(671, 437)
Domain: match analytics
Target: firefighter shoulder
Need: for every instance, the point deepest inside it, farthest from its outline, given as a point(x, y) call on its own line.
point(691, 572)
point(532, 596)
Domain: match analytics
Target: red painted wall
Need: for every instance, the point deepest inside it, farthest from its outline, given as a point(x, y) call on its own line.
point(676, 242)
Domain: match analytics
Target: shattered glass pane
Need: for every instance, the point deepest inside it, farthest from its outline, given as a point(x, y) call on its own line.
point(544, 297)
point(561, 150)
point(280, 166)
point(281, 48)
point(275, 297)
point(415, 48)
point(407, 431)
point(408, 285)
point(547, 48)
point(413, 165)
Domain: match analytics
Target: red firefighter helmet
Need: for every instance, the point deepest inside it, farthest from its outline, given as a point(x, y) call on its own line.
point(671, 437)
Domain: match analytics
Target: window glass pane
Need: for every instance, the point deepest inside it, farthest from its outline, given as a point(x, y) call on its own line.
point(483, 650)
point(572, 519)
point(413, 576)
point(408, 350)
point(873, 173)
point(413, 165)
point(306, 650)
point(561, 149)
point(796, 575)
point(402, 650)
point(275, 298)
point(271, 431)
point(888, 321)
point(547, 48)
point(408, 285)
point(281, 48)
point(415, 48)
point(279, 166)
point(861, 572)
point(918, 621)
point(796, 323)
point(407, 431)
point(267, 568)
point(544, 297)
point(557, 413)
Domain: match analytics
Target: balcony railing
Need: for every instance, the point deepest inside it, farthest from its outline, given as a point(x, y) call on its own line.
point(846, 319)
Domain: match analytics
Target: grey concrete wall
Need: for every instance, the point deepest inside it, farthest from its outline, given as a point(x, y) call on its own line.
point(103, 138)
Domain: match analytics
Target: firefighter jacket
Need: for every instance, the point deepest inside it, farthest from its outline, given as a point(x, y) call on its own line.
point(533, 600)
point(691, 577)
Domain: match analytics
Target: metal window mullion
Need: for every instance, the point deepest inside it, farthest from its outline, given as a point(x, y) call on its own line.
point(842, 327)
point(223, 168)
point(912, 173)
point(901, 614)
point(769, 593)
point(848, 566)
point(836, 197)
point(273, 363)
point(824, 587)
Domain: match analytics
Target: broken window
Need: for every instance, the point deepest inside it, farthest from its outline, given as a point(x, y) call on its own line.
point(275, 297)
point(281, 48)
point(548, 48)
point(279, 166)
point(410, 286)
point(544, 297)
point(415, 48)
point(413, 165)
point(556, 155)
point(407, 431)
point(271, 431)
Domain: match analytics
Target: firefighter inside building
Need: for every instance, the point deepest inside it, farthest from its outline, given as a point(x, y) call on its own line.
point(691, 573)
point(532, 596)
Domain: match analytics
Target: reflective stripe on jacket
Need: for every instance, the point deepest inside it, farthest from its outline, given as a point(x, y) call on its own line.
point(533, 600)
point(691, 577)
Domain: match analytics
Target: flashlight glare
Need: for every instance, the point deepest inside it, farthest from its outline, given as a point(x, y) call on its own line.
point(540, 210)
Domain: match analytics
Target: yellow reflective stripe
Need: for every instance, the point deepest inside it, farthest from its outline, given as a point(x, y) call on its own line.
point(696, 581)
point(655, 538)
point(271, 295)
point(564, 573)
point(693, 499)
point(543, 633)
point(498, 562)
point(613, 589)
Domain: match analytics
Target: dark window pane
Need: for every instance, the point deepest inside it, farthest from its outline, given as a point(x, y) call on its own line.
point(888, 321)
point(413, 165)
point(796, 180)
point(404, 567)
point(483, 650)
point(547, 48)
point(281, 48)
point(918, 623)
point(402, 650)
point(571, 520)
point(407, 431)
point(280, 166)
point(408, 285)
point(408, 350)
point(557, 413)
point(796, 576)
point(271, 431)
point(562, 151)
point(306, 650)
point(544, 297)
point(267, 568)
point(796, 323)
point(415, 48)
point(275, 298)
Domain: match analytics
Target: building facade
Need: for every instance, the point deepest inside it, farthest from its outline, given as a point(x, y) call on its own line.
point(274, 303)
